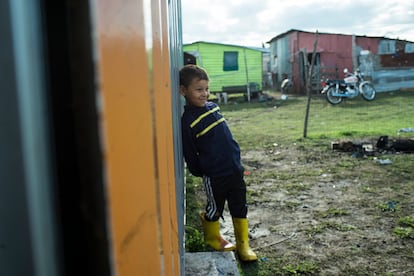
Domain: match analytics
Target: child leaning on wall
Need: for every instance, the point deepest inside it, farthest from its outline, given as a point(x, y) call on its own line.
point(211, 153)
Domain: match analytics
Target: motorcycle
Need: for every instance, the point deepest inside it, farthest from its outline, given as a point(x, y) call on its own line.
point(350, 87)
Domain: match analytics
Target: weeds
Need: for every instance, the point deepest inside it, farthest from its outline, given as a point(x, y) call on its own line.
point(404, 232)
point(194, 240)
point(304, 268)
point(406, 228)
point(406, 221)
point(332, 212)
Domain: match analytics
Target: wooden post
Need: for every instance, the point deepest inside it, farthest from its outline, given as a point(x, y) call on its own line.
point(247, 76)
point(308, 74)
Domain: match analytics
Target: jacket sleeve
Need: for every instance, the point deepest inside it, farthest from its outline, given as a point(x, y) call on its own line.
point(190, 152)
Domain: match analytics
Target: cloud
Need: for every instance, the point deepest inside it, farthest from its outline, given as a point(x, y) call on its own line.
point(251, 23)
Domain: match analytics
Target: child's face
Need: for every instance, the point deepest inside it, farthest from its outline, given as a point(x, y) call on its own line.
point(196, 93)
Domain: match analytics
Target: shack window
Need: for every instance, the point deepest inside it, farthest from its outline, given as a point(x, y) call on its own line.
point(230, 61)
point(317, 58)
point(386, 47)
point(409, 48)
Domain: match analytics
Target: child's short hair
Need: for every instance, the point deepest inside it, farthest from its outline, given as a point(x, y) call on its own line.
point(190, 72)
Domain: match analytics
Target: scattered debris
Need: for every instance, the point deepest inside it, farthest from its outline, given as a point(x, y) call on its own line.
point(294, 234)
point(390, 206)
point(344, 145)
point(384, 161)
point(407, 129)
point(383, 145)
point(396, 145)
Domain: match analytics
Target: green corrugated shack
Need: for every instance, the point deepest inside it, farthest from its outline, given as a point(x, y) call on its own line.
point(230, 67)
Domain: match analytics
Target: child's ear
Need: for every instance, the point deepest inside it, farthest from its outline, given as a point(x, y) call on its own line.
point(182, 90)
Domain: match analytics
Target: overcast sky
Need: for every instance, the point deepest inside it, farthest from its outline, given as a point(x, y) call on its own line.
point(251, 23)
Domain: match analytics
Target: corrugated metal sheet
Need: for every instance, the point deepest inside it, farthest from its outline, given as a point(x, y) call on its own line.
point(177, 101)
point(284, 56)
point(390, 80)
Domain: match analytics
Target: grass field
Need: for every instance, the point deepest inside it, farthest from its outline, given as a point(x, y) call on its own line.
point(333, 214)
point(257, 124)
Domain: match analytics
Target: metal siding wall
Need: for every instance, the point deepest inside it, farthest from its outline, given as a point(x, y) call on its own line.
point(368, 43)
point(137, 127)
point(284, 49)
point(177, 103)
point(284, 55)
point(335, 50)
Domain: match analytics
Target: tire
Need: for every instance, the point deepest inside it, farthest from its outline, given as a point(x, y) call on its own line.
point(332, 99)
point(368, 91)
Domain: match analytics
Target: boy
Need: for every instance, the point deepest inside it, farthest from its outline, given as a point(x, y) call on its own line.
point(211, 153)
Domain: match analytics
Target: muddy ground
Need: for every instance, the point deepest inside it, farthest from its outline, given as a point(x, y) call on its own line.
point(315, 211)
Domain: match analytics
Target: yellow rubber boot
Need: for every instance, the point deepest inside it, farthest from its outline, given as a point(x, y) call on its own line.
point(212, 236)
point(241, 231)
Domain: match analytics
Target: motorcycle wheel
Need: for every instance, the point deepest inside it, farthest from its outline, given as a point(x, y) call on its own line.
point(368, 91)
point(332, 99)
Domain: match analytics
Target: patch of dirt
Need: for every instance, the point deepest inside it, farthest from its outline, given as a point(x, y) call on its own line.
point(327, 208)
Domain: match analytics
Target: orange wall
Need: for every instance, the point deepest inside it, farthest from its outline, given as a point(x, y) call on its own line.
point(133, 68)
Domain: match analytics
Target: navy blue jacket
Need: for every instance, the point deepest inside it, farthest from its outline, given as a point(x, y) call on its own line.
point(209, 147)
